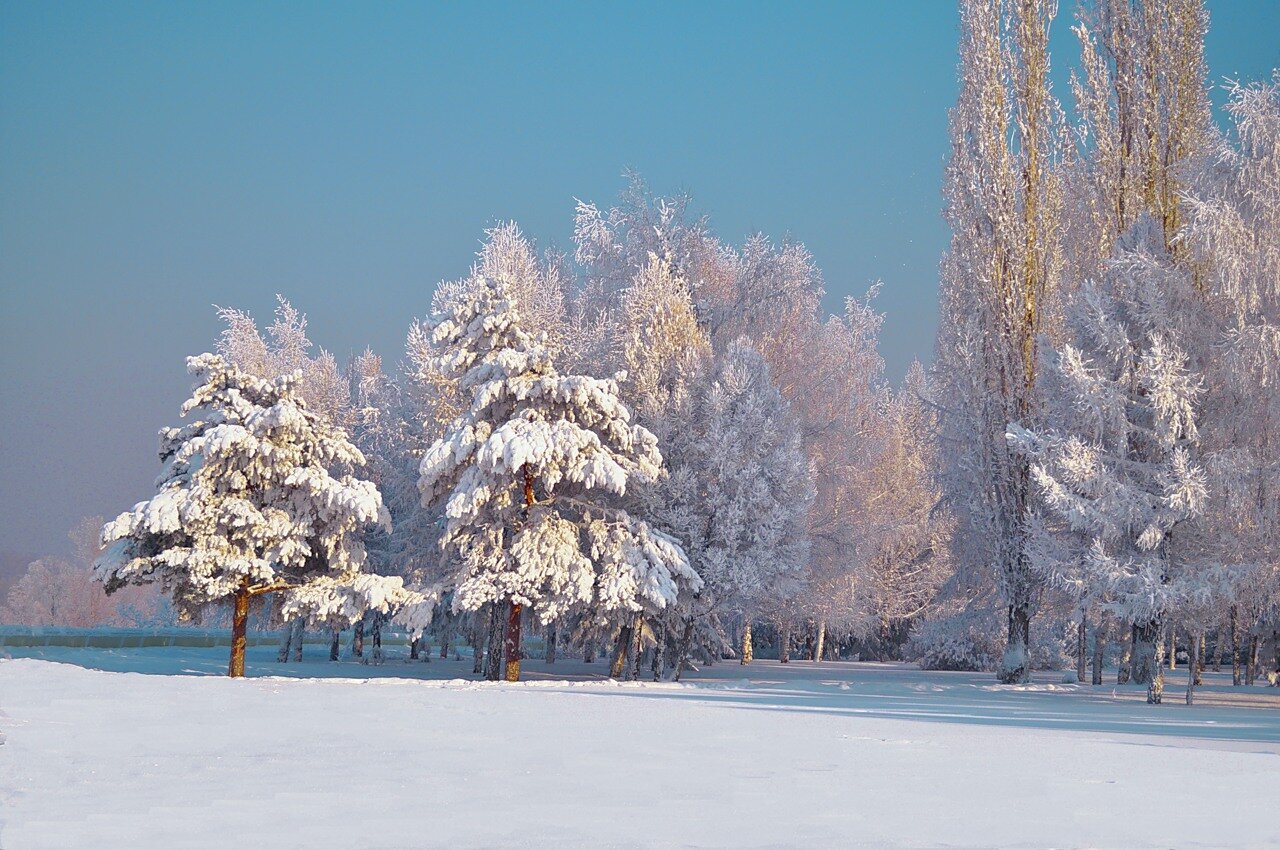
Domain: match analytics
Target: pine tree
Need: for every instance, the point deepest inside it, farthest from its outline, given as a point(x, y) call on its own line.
point(531, 474)
point(256, 496)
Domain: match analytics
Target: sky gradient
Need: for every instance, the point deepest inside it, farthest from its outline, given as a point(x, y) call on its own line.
point(157, 159)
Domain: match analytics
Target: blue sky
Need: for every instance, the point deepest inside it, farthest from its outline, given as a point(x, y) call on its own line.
point(156, 159)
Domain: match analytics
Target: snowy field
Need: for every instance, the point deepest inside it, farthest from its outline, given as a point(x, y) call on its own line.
point(830, 755)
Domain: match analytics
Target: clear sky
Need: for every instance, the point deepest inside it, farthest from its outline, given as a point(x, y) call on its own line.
point(156, 159)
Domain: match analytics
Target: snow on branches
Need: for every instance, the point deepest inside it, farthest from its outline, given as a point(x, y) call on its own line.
point(256, 495)
point(531, 473)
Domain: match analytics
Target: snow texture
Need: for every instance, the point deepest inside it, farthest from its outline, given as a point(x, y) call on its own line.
point(828, 755)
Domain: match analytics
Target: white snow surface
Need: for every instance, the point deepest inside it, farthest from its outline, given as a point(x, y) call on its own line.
point(827, 755)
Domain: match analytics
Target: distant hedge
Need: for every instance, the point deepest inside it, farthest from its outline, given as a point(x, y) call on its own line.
point(110, 638)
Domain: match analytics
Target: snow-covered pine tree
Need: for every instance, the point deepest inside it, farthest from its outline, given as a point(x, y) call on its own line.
point(285, 349)
point(531, 474)
point(1117, 461)
point(256, 496)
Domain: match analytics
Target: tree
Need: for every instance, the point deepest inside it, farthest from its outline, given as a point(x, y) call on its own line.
point(255, 496)
point(1117, 463)
point(286, 349)
point(1231, 239)
point(753, 488)
point(1000, 279)
point(59, 591)
point(530, 474)
point(56, 592)
point(1143, 109)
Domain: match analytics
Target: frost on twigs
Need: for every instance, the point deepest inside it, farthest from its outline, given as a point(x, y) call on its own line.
point(567, 443)
point(256, 493)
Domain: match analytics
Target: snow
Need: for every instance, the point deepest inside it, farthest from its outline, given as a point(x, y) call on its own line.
point(826, 755)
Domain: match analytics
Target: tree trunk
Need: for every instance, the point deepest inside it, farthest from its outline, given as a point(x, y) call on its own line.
point(1173, 648)
point(1082, 647)
point(239, 626)
point(294, 630)
point(1193, 666)
point(682, 651)
point(477, 648)
point(286, 638)
point(635, 652)
point(493, 654)
point(620, 649)
point(1251, 668)
point(1198, 667)
point(552, 635)
point(748, 651)
point(1146, 655)
point(1015, 667)
point(1275, 649)
point(445, 633)
point(415, 649)
point(1235, 646)
point(820, 640)
point(589, 651)
point(1099, 645)
point(1126, 656)
point(784, 643)
point(511, 646)
point(1148, 659)
point(377, 639)
point(357, 639)
point(660, 653)
point(335, 644)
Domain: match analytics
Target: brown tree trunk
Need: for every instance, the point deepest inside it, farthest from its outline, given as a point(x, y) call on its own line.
point(511, 647)
point(1173, 648)
point(784, 643)
point(239, 626)
point(1198, 667)
point(334, 644)
point(748, 651)
point(552, 635)
point(820, 640)
point(415, 648)
point(1251, 667)
point(357, 639)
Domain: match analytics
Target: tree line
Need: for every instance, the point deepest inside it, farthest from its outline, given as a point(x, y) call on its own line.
point(659, 445)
